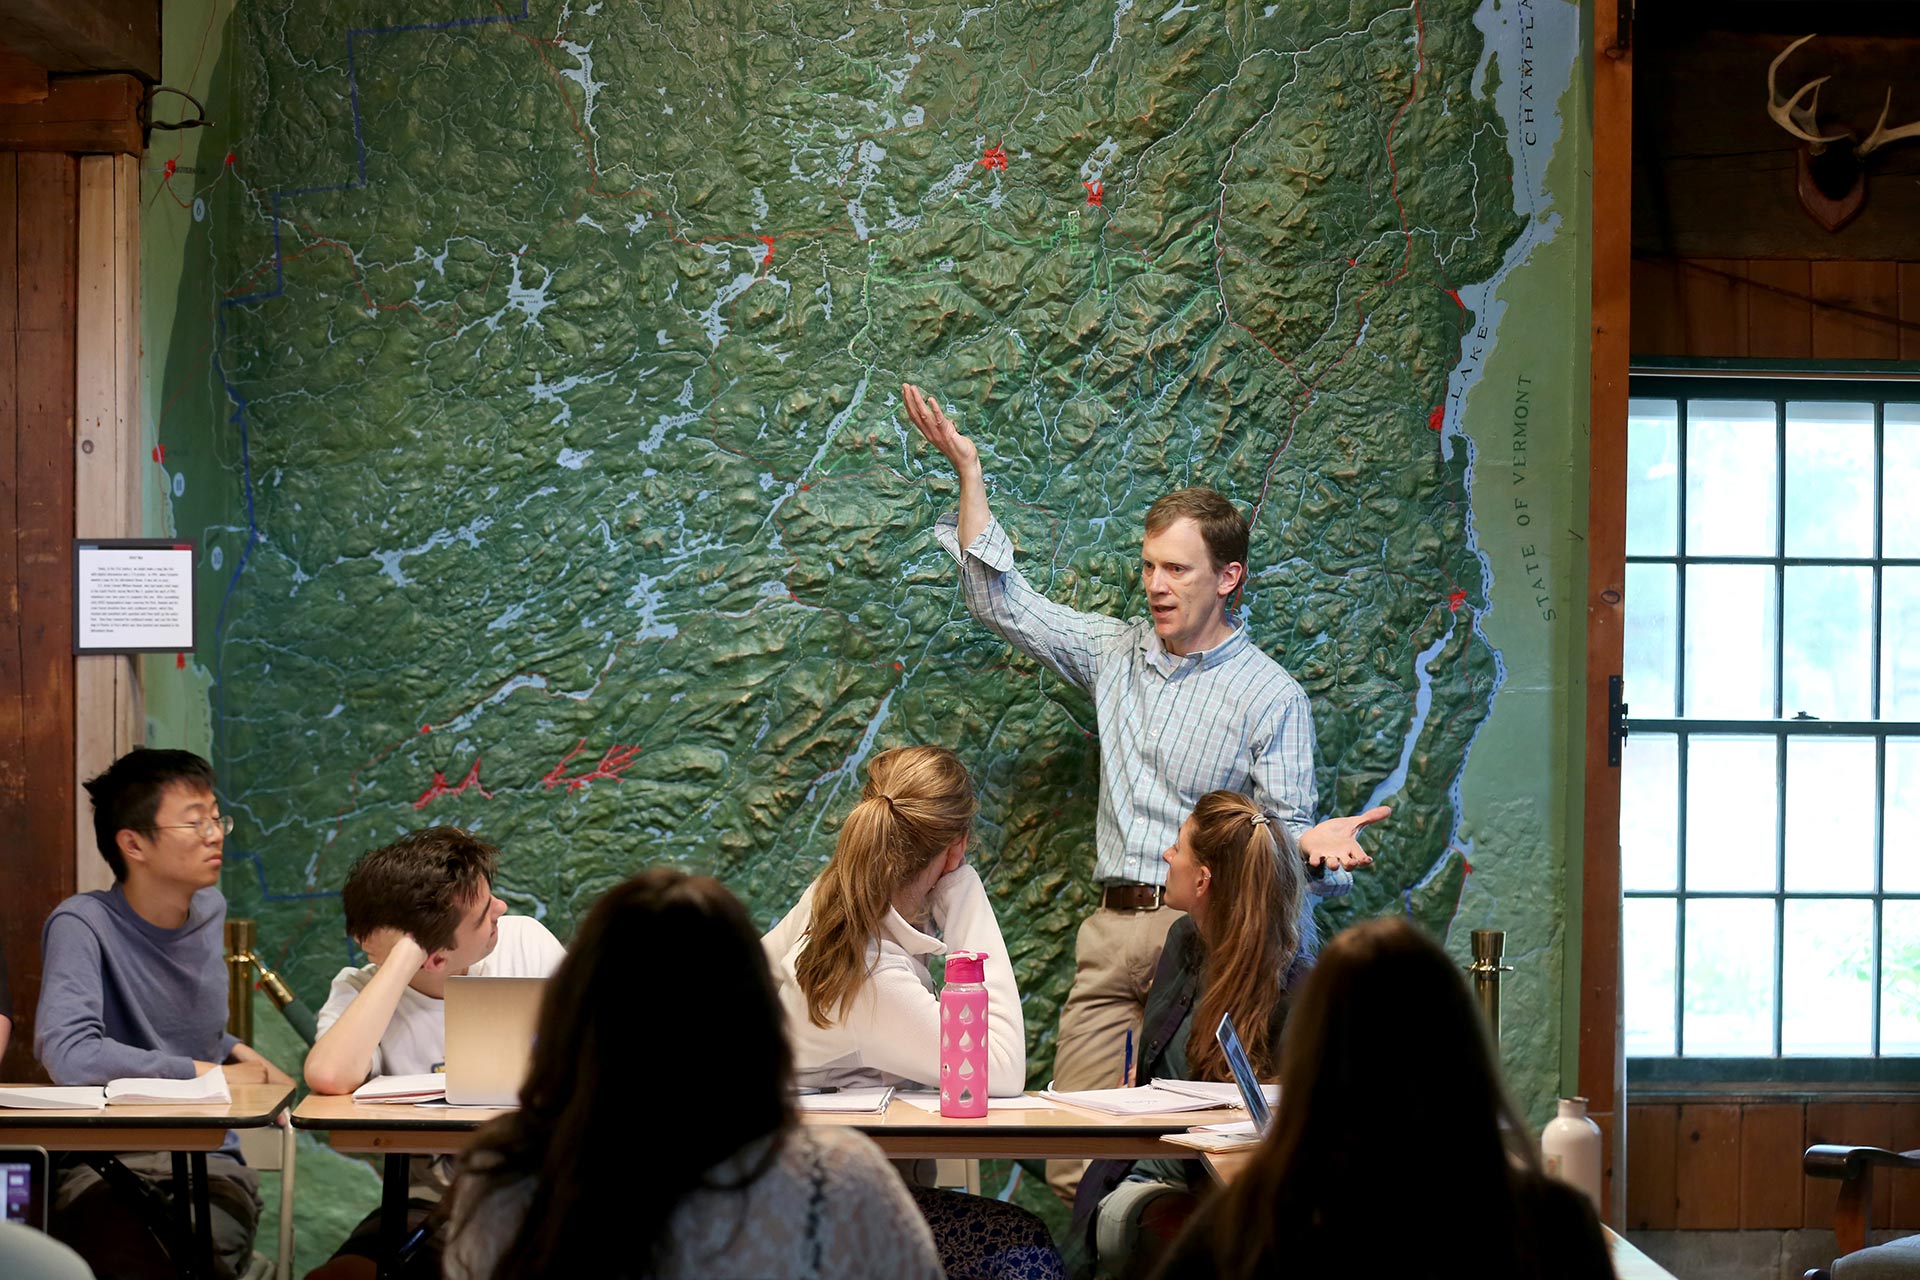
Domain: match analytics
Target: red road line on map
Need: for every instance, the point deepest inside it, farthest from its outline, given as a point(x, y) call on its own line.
point(440, 787)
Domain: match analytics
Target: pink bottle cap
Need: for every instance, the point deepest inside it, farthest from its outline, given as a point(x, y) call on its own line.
point(967, 966)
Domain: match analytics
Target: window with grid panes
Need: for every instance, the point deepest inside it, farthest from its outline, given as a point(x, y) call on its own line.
point(1770, 789)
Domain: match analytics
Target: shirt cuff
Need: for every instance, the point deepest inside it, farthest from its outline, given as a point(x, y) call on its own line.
point(992, 548)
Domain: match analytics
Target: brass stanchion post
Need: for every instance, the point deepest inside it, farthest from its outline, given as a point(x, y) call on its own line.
point(240, 939)
point(1489, 946)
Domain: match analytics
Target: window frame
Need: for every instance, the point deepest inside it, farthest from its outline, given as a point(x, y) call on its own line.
point(1682, 382)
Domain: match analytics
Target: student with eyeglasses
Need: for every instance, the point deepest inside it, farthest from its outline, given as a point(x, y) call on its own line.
point(136, 985)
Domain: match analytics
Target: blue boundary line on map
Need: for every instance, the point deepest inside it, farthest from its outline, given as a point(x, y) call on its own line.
point(359, 140)
point(239, 415)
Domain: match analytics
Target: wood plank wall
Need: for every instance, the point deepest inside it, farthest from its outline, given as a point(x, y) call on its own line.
point(1776, 308)
point(38, 255)
point(1733, 1162)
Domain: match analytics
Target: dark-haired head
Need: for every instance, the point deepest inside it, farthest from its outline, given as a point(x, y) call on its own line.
point(658, 955)
point(429, 884)
point(1390, 1094)
point(127, 797)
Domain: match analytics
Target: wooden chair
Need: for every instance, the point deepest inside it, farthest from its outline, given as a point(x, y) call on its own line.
point(1853, 1211)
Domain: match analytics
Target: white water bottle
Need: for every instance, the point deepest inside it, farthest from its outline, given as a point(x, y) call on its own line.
point(1570, 1149)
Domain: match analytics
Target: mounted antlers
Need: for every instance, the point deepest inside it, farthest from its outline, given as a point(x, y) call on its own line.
point(1882, 135)
point(1789, 114)
point(1832, 180)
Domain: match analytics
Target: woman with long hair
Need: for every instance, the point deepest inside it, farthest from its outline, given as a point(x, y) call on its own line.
point(600, 1174)
point(1395, 1150)
point(1239, 950)
point(851, 964)
point(850, 959)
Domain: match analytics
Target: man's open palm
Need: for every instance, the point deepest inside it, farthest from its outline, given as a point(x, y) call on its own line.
point(1335, 843)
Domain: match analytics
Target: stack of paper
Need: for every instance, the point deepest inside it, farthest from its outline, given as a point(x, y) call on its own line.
point(1222, 1093)
point(202, 1090)
point(55, 1097)
point(1146, 1100)
point(428, 1087)
point(931, 1102)
point(846, 1101)
point(1216, 1137)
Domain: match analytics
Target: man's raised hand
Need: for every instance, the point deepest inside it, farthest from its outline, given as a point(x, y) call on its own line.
point(940, 432)
point(1334, 843)
point(938, 428)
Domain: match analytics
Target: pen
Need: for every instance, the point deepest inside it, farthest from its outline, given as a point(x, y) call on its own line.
point(1126, 1063)
point(830, 1088)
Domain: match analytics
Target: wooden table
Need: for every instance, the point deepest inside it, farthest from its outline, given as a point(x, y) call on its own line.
point(399, 1132)
point(188, 1132)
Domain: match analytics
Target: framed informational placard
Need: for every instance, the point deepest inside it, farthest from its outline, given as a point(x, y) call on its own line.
point(132, 595)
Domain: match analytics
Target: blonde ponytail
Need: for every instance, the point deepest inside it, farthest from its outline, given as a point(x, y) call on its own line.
point(917, 802)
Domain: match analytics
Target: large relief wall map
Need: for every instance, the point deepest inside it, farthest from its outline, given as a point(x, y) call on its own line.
point(557, 483)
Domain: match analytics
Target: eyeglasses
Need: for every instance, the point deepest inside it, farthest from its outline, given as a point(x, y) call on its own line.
point(206, 828)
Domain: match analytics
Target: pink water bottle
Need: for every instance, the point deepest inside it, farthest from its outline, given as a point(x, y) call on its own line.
point(963, 1036)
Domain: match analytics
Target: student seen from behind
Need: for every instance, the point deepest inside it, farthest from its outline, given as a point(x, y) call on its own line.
point(1395, 1150)
point(136, 985)
point(423, 910)
point(656, 1134)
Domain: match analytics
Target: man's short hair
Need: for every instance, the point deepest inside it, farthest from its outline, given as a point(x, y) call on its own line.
point(127, 796)
point(1222, 527)
point(421, 884)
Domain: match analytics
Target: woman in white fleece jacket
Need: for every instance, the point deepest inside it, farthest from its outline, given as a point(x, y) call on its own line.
point(850, 960)
point(850, 965)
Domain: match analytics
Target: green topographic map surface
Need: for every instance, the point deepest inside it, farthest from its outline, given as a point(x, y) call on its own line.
point(562, 352)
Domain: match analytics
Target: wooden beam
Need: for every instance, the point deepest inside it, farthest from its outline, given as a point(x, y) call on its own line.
point(106, 447)
point(1601, 1069)
point(86, 35)
point(22, 79)
point(40, 868)
point(81, 114)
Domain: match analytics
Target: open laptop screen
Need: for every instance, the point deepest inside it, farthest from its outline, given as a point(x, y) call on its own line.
point(1250, 1091)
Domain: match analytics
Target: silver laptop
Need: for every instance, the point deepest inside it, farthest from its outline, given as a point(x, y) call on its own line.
point(491, 1024)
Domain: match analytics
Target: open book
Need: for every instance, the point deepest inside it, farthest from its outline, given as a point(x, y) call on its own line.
point(133, 1091)
point(202, 1090)
point(429, 1086)
point(73, 1097)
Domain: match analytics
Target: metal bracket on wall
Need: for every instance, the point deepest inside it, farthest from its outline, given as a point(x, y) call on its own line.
point(1616, 719)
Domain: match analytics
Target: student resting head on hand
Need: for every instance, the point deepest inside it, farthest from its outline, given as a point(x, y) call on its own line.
point(850, 961)
point(656, 1134)
point(1395, 1150)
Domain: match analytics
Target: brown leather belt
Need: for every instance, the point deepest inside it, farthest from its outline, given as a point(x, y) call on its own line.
point(1132, 897)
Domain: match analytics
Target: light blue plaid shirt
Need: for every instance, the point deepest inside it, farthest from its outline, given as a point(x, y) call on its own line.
point(1171, 728)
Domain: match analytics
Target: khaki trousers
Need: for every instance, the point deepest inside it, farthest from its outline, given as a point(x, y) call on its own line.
point(1115, 954)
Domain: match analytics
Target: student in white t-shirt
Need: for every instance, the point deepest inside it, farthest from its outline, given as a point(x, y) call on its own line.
point(423, 910)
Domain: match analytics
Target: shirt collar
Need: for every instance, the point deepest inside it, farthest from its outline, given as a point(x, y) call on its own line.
point(1168, 664)
point(895, 929)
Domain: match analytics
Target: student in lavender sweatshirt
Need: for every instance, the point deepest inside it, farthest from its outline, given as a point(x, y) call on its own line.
point(136, 985)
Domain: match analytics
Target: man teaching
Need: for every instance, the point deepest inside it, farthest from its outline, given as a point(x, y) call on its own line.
point(1184, 704)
